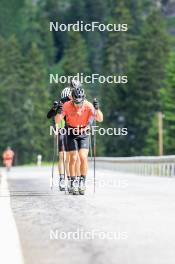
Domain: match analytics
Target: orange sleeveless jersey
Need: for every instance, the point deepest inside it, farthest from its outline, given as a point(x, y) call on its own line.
point(78, 117)
point(8, 154)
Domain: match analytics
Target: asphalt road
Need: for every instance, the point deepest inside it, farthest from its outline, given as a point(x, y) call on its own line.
point(129, 220)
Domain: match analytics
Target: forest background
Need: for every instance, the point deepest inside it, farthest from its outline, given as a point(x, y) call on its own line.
point(29, 52)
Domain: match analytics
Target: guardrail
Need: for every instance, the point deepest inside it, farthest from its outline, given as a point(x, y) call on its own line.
point(147, 166)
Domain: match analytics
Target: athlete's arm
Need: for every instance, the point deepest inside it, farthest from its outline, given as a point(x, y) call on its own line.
point(99, 115)
point(51, 113)
point(61, 113)
point(58, 118)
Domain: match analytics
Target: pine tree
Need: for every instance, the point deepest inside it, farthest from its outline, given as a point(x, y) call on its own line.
point(24, 101)
point(35, 106)
point(151, 147)
point(118, 61)
point(98, 11)
point(77, 11)
point(35, 29)
point(168, 106)
point(137, 10)
point(148, 77)
point(11, 17)
point(10, 91)
point(75, 54)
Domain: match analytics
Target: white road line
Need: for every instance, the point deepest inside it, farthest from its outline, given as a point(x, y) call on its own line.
point(10, 250)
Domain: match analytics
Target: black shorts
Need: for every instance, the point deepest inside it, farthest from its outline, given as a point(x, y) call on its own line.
point(77, 142)
point(62, 142)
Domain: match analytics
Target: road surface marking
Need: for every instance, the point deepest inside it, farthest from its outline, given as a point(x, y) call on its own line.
point(10, 250)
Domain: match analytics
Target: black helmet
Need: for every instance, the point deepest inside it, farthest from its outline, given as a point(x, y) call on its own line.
point(75, 83)
point(78, 95)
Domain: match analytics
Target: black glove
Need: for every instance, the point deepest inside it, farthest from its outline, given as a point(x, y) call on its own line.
point(96, 104)
point(55, 105)
point(51, 113)
point(60, 107)
point(65, 99)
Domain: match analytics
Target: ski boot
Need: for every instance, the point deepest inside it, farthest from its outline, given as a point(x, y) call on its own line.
point(69, 185)
point(82, 185)
point(75, 186)
point(62, 183)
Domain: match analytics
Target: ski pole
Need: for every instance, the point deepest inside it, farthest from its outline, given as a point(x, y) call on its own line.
point(94, 149)
point(57, 145)
point(63, 149)
point(53, 163)
point(94, 158)
point(90, 123)
point(58, 137)
point(90, 141)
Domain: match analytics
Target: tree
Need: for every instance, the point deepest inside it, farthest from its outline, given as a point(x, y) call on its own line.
point(153, 48)
point(10, 91)
point(118, 60)
point(35, 29)
point(34, 107)
point(75, 54)
point(24, 101)
point(168, 106)
point(11, 17)
point(98, 11)
point(151, 142)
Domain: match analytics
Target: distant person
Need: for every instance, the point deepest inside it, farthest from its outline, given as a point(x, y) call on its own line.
point(8, 156)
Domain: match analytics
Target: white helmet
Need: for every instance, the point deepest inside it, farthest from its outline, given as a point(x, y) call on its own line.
point(75, 83)
point(66, 92)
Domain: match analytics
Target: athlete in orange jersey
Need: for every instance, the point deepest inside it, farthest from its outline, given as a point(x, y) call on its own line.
point(8, 156)
point(78, 113)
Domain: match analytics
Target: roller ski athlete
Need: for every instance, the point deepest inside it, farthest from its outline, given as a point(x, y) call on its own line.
point(78, 111)
point(63, 162)
point(63, 159)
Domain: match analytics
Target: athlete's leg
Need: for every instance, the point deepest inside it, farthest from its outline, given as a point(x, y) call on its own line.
point(67, 160)
point(78, 166)
point(67, 164)
point(61, 155)
point(72, 168)
point(72, 147)
point(73, 155)
point(60, 163)
point(83, 145)
point(83, 155)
